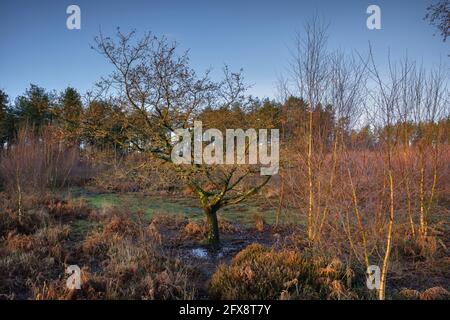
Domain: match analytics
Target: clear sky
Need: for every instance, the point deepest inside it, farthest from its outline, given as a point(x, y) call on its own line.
point(36, 47)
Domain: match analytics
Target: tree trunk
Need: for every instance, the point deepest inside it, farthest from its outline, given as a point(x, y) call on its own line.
point(310, 179)
point(213, 227)
point(384, 270)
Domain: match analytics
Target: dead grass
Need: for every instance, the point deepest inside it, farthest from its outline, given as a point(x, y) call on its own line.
point(434, 293)
point(129, 260)
point(259, 222)
point(124, 256)
point(143, 272)
point(71, 209)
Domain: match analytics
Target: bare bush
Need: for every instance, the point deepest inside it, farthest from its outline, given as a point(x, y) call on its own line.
point(37, 162)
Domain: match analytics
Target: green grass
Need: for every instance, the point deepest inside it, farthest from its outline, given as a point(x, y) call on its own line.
point(242, 214)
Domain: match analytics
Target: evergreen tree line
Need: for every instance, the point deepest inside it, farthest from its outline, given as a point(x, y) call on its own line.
point(105, 124)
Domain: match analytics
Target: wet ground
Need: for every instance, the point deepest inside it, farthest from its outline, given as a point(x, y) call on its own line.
point(207, 259)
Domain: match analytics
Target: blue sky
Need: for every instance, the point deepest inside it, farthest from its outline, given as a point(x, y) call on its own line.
point(36, 46)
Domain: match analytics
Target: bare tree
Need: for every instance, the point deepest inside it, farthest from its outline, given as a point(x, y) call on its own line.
point(385, 99)
point(438, 14)
point(346, 84)
point(309, 73)
point(429, 94)
point(157, 85)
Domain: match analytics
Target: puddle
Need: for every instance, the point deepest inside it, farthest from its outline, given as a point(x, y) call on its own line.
point(203, 253)
point(199, 253)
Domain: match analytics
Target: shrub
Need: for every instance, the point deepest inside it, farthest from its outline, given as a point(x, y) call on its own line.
point(30, 218)
point(422, 247)
point(199, 229)
point(18, 267)
point(71, 208)
point(193, 228)
point(434, 293)
point(20, 242)
point(409, 294)
point(258, 272)
point(36, 162)
point(94, 244)
point(92, 287)
point(119, 226)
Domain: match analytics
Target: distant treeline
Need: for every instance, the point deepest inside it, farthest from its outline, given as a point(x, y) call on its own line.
point(108, 124)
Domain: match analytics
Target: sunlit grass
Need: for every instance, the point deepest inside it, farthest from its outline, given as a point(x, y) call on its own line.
point(150, 205)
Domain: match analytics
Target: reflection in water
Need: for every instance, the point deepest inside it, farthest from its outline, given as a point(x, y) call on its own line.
point(200, 253)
